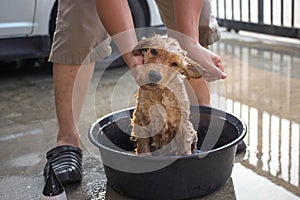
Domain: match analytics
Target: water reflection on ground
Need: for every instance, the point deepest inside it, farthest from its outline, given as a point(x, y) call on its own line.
point(263, 88)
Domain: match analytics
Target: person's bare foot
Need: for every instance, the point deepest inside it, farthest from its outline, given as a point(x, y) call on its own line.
point(70, 138)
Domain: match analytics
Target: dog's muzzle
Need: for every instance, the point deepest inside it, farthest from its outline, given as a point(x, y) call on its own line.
point(154, 76)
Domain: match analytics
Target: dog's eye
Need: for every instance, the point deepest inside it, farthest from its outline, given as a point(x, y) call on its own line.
point(174, 64)
point(154, 52)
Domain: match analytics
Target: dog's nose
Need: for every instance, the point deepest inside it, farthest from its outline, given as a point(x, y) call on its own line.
point(154, 76)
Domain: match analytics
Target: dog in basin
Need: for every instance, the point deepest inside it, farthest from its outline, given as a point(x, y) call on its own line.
point(160, 122)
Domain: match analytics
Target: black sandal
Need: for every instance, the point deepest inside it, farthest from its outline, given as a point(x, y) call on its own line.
point(66, 162)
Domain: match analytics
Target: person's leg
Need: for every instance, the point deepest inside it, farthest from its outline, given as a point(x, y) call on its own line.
point(70, 86)
point(203, 97)
point(201, 91)
point(73, 54)
point(74, 42)
point(208, 34)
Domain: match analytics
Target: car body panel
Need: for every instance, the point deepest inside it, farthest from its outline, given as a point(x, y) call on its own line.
point(155, 19)
point(16, 17)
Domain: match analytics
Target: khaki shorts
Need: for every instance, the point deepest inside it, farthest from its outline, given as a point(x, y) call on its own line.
point(79, 30)
point(208, 26)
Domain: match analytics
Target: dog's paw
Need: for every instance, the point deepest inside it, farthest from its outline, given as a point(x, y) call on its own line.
point(187, 153)
point(144, 154)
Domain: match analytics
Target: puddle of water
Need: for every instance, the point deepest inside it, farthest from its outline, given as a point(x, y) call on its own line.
point(263, 88)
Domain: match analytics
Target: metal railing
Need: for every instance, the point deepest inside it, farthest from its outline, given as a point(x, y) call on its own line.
point(275, 17)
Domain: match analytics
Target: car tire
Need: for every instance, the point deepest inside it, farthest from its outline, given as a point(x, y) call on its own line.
point(52, 22)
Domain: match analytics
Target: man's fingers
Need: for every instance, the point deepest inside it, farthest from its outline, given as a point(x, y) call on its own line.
point(215, 75)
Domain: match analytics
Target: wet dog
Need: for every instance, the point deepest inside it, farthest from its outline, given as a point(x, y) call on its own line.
point(160, 122)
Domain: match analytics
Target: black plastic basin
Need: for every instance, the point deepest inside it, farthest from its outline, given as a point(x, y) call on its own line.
point(169, 177)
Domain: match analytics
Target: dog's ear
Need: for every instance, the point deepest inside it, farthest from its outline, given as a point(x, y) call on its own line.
point(154, 42)
point(193, 69)
point(141, 47)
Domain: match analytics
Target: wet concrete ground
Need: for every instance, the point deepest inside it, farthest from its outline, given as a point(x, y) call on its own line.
point(263, 88)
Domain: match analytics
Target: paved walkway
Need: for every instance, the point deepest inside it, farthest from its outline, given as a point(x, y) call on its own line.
point(263, 88)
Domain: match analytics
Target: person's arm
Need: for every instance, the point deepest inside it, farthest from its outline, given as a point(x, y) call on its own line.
point(115, 15)
point(117, 19)
point(187, 15)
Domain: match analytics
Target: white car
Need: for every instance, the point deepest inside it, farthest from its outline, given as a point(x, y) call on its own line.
point(27, 26)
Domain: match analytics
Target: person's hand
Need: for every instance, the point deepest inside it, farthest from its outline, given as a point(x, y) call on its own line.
point(213, 64)
point(207, 59)
point(135, 63)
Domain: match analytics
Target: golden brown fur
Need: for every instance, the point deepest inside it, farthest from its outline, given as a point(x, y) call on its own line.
point(161, 119)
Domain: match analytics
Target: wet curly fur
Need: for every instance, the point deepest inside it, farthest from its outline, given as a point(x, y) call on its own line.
point(160, 123)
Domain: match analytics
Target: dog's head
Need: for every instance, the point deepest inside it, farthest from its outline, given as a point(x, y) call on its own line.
point(164, 59)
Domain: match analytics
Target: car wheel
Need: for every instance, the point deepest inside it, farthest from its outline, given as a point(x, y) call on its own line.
point(52, 23)
point(140, 13)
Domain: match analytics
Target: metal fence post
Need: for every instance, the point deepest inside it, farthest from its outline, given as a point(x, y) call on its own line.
point(260, 11)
